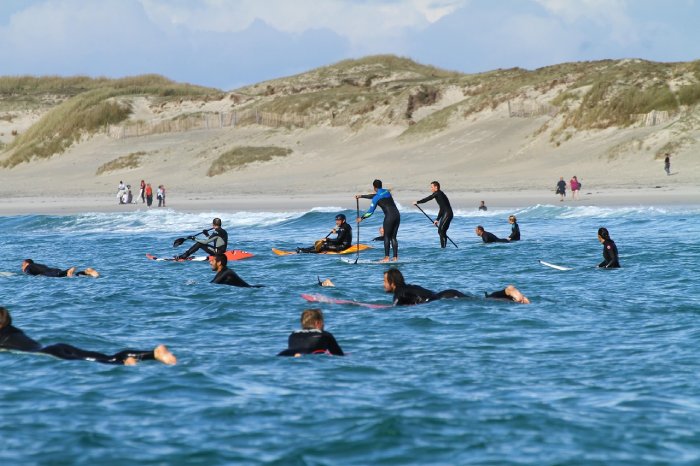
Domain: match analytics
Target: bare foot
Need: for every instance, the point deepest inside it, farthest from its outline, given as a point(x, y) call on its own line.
point(70, 272)
point(92, 272)
point(395, 259)
point(163, 354)
point(386, 259)
point(130, 361)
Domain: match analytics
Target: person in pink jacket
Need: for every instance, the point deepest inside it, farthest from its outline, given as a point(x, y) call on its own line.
point(575, 187)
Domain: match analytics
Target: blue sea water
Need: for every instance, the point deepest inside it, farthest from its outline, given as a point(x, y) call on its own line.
point(601, 368)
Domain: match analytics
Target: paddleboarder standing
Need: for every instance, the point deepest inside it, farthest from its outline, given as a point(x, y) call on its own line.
point(392, 217)
point(445, 215)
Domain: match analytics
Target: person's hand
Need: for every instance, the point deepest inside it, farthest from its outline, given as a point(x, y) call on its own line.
point(205, 232)
point(435, 222)
point(357, 196)
point(359, 219)
point(333, 231)
point(415, 203)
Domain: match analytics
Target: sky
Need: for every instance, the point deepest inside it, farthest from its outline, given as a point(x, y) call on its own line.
point(231, 43)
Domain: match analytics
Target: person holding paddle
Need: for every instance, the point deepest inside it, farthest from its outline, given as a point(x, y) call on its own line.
point(214, 243)
point(341, 242)
point(445, 215)
point(392, 217)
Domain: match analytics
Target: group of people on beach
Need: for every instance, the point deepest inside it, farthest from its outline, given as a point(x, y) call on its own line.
point(574, 184)
point(125, 195)
point(312, 338)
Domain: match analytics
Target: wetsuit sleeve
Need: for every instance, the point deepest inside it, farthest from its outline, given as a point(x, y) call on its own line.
point(214, 240)
point(12, 338)
point(229, 277)
point(332, 345)
point(372, 206)
point(426, 199)
point(609, 256)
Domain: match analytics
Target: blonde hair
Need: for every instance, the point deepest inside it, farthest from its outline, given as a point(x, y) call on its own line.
point(310, 317)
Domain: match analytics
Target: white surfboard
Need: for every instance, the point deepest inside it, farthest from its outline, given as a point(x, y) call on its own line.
point(350, 260)
point(555, 266)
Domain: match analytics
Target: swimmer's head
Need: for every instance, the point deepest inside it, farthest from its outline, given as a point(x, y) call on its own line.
point(5, 319)
point(218, 261)
point(26, 263)
point(312, 319)
point(479, 230)
point(393, 278)
point(603, 233)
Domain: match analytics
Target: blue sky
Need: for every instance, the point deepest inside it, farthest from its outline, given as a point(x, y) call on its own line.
point(230, 43)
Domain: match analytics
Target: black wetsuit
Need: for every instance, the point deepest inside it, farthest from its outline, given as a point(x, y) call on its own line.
point(500, 294)
point(610, 257)
point(46, 271)
point(488, 237)
point(12, 338)
point(561, 187)
point(215, 243)
point(392, 218)
point(414, 294)
point(310, 341)
point(444, 216)
point(227, 276)
point(514, 232)
point(342, 241)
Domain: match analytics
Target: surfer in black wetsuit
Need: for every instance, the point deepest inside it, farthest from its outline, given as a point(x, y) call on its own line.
point(341, 242)
point(312, 338)
point(610, 256)
point(392, 218)
point(445, 215)
point(32, 268)
point(413, 294)
point(487, 237)
point(226, 276)
point(214, 243)
point(12, 338)
point(509, 293)
point(514, 229)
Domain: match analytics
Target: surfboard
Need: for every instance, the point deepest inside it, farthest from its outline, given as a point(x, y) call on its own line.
point(352, 249)
point(233, 255)
point(320, 298)
point(555, 266)
point(350, 260)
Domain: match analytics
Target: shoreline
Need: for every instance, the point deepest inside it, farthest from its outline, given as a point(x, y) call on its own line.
point(277, 202)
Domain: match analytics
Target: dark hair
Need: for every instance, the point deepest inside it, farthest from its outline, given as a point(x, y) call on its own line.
point(216, 222)
point(395, 277)
point(221, 258)
point(603, 233)
point(480, 228)
point(28, 261)
point(377, 184)
point(5, 318)
point(436, 183)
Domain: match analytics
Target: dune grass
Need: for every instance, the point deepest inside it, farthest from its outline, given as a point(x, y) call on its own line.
point(132, 160)
point(238, 157)
point(94, 105)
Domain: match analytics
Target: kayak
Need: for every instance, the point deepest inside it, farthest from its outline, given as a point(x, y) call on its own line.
point(352, 249)
point(232, 255)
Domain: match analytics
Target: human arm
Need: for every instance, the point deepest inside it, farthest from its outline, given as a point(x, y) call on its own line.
point(331, 345)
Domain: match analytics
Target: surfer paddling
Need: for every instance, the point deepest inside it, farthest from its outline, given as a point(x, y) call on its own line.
point(392, 217)
point(488, 237)
point(312, 338)
point(32, 268)
point(226, 276)
point(12, 338)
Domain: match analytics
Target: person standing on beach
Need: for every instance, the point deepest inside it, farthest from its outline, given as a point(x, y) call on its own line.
point(610, 257)
point(445, 215)
point(575, 187)
point(142, 192)
point(392, 218)
point(162, 192)
point(561, 188)
point(149, 195)
point(667, 164)
point(159, 195)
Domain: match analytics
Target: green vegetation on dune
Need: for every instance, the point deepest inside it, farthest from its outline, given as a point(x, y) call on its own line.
point(238, 157)
point(91, 105)
point(121, 163)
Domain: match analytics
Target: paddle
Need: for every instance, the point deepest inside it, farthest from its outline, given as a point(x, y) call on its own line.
point(357, 201)
point(433, 222)
point(179, 241)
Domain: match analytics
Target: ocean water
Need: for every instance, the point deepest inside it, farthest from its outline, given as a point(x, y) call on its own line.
point(602, 368)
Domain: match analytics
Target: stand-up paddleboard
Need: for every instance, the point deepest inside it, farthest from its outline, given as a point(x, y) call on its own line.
point(350, 260)
point(233, 255)
point(319, 298)
point(555, 266)
point(352, 249)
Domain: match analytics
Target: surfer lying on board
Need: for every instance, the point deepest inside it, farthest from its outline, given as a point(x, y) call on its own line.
point(226, 276)
point(341, 242)
point(312, 338)
point(610, 257)
point(488, 237)
point(381, 235)
point(392, 217)
point(214, 243)
point(413, 294)
point(12, 338)
point(32, 268)
point(444, 216)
